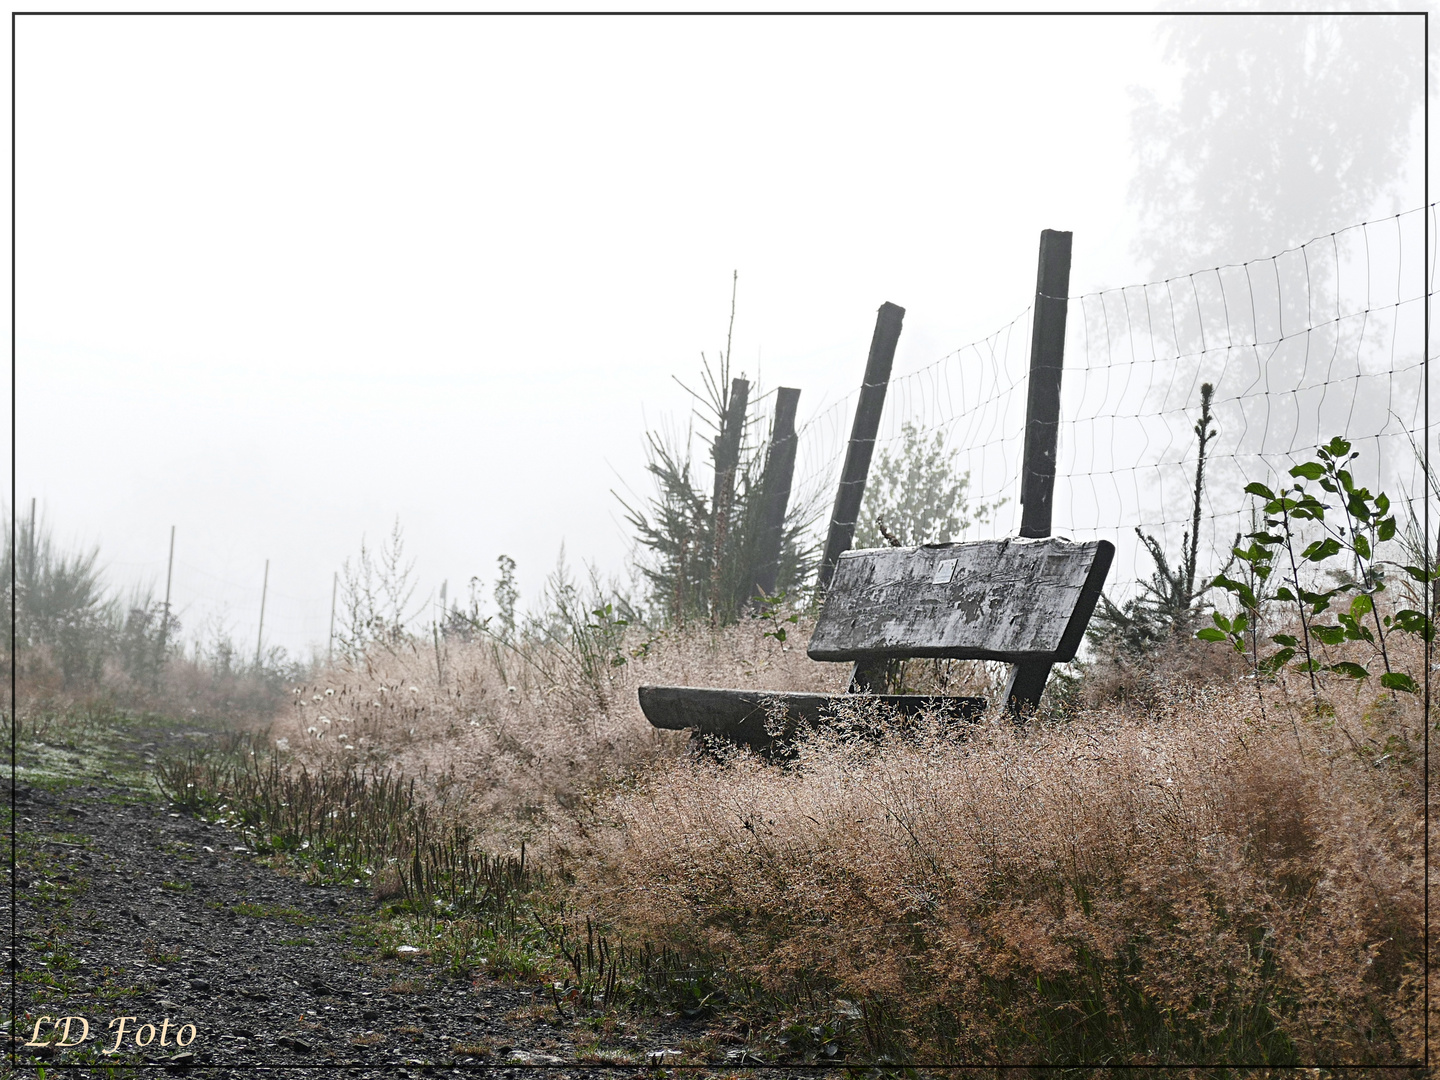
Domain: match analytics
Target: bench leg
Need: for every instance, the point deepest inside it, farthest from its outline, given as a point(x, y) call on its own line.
point(1023, 690)
point(871, 677)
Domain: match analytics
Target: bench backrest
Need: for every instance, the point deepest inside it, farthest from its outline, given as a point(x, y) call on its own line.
point(1015, 600)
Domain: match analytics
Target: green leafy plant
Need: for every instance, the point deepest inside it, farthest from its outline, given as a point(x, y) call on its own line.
point(1352, 528)
point(770, 609)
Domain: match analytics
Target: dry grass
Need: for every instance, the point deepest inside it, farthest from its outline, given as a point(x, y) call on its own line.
point(514, 739)
point(183, 688)
point(1173, 883)
point(1166, 875)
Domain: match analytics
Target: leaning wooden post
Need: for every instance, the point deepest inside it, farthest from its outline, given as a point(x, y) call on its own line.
point(726, 454)
point(1042, 427)
point(862, 439)
point(726, 450)
point(779, 473)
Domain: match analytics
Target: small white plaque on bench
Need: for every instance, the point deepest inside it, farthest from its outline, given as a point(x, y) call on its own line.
point(944, 571)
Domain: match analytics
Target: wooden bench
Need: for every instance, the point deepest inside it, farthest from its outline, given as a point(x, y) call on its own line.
point(1023, 602)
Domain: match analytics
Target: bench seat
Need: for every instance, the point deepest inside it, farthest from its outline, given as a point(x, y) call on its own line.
point(743, 716)
point(1021, 601)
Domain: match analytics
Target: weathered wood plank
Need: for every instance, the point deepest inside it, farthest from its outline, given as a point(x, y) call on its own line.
point(1042, 402)
point(779, 474)
point(1013, 600)
point(745, 716)
point(851, 491)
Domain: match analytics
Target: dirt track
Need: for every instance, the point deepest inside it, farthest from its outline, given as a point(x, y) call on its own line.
point(125, 908)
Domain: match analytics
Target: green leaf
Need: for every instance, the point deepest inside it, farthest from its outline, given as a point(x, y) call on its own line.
point(1362, 546)
point(1329, 635)
point(1349, 670)
point(1311, 470)
point(1420, 574)
point(1272, 664)
point(1259, 490)
point(1211, 633)
point(1411, 621)
point(1386, 529)
point(1240, 625)
point(1321, 549)
point(1361, 606)
point(1338, 447)
point(1220, 621)
point(1284, 593)
point(1239, 588)
point(1285, 639)
point(1398, 680)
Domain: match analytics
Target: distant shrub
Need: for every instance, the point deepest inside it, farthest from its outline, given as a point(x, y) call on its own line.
point(915, 495)
point(76, 640)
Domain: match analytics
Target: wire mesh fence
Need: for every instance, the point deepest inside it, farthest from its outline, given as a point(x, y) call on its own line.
point(1320, 340)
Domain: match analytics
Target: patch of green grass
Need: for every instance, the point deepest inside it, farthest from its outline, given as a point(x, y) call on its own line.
point(176, 886)
point(272, 911)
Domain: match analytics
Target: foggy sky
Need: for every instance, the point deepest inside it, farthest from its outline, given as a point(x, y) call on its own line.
point(281, 280)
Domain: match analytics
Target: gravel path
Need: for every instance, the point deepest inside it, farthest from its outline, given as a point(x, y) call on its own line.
point(128, 909)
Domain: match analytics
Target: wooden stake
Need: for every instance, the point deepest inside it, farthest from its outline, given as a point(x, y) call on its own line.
point(779, 473)
point(165, 618)
point(727, 460)
point(264, 589)
point(439, 669)
point(334, 591)
point(1047, 360)
point(862, 438)
point(1042, 429)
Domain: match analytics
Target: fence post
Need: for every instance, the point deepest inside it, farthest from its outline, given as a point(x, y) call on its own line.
point(779, 473)
point(726, 450)
point(862, 438)
point(1042, 407)
point(727, 459)
point(264, 589)
point(165, 617)
point(334, 591)
point(1042, 427)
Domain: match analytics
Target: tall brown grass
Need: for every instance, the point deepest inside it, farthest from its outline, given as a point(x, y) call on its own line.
point(1162, 872)
point(515, 737)
point(1180, 882)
